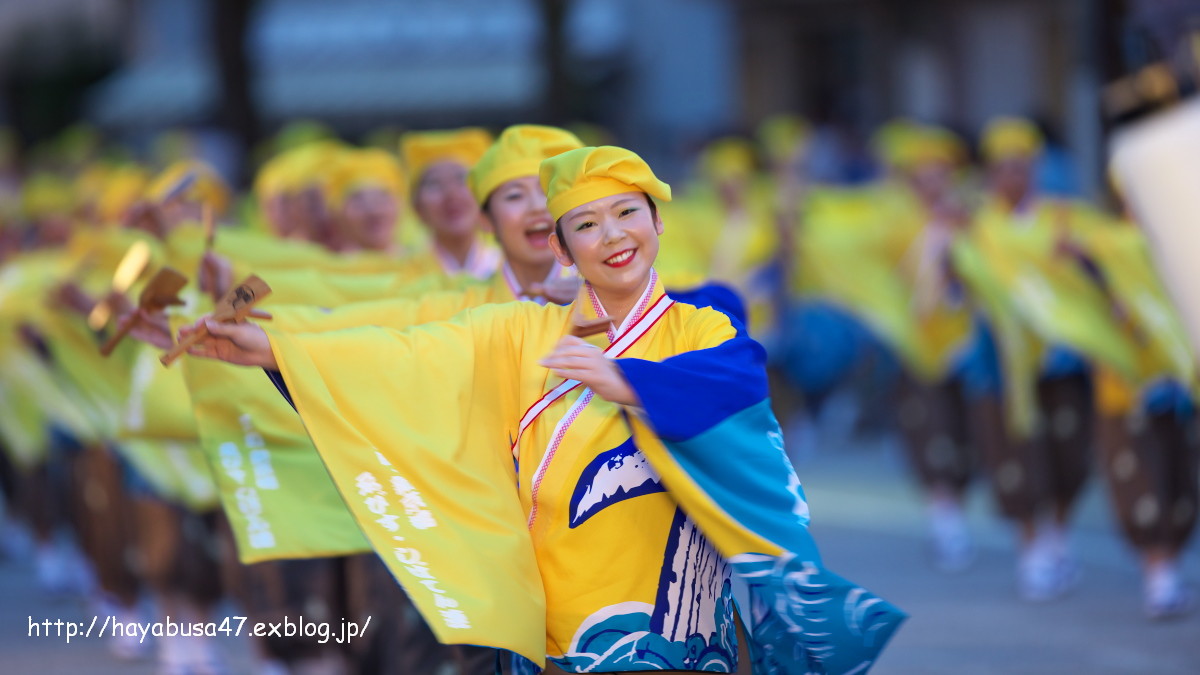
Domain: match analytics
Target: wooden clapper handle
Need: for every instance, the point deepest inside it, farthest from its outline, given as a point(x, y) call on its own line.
point(232, 308)
point(160, 292)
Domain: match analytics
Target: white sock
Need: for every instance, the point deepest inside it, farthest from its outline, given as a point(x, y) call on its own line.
point(1162, 580)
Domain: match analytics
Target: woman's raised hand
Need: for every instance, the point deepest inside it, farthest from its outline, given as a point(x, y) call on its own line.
point(575, 359)
point(242, 344)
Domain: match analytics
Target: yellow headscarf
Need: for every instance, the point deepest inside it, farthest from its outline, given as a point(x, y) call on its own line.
point(357, 169)
point(781, 137)
point(584, 175)
point(46, 194)
point(297, 169)
point(518, 152)
point(123, 187)
point(925, 144)
point(420, 149)
point(728, 158)
point(890, 137)
point(1010, 138)
point(207, 187)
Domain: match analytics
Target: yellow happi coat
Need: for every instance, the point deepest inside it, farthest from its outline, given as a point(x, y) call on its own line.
point(527, 547)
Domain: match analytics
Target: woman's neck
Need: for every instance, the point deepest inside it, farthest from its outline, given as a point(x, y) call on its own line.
point(618, 306)
point(529, 275)
point(458, 248)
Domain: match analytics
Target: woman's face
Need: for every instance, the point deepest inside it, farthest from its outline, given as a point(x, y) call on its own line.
point(1012, 179)
point(306, 215)
point(613, 242)
point(931, 181)
point(369, 216)
point(518, 217)
point(444, 202)
point(274, 211)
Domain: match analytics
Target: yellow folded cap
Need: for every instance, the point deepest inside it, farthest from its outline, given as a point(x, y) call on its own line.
point(270, 179)
point(782, 136)
point(46, 194)
point(90, 180)
point(924, 145)
point(518, 152)
point(728, 158)
point(584, 175)
point(419, 149)
point(888, 140)
point(1010, 138)
point(357, 169)
point(207, 187)
point(297, 169)
point(125, 185)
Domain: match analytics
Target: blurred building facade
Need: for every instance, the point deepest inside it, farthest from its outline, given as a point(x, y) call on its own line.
point(656, 73)
point(663, 75)
point(952, 62)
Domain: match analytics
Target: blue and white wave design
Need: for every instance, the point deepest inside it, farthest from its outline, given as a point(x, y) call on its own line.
point(807, 620)
point(613, 476)
point(619, 638)
point(690, 626)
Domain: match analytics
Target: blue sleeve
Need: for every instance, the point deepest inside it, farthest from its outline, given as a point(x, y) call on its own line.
point(716, 296)
point(688, 394)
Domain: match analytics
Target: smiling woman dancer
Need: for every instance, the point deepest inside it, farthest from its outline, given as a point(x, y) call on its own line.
point(533, 492)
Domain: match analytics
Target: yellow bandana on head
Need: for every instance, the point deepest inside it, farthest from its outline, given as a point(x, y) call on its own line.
point(357, 169)
point(420, 149)
point(518, 152)
point(580, 176)
point(207, 188)
point(782, 136)
point(925, 145)
point(729, 158)
point(121, 190)
point(297, 169)
point(888, 139)
point(1010, 138)
point(46, 194)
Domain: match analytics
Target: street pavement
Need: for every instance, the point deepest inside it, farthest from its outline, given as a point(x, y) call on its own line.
point(868, 520)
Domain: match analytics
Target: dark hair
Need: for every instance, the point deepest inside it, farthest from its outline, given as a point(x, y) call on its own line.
point(558, 223)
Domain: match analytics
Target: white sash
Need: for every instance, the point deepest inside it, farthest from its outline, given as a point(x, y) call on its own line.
point(627, 338)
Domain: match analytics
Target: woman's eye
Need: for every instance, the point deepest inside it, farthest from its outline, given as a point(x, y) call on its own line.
point(584, 225)
point(512, 196)
point(628, 211)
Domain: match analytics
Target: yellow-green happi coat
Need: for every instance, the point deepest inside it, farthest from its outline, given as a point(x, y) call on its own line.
point(1035, 295)
point(1149, 319)
point(274, 488)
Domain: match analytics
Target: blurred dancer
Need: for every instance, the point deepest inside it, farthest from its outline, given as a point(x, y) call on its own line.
point(1146, 429)
point(1045, 319)
point(927, 214)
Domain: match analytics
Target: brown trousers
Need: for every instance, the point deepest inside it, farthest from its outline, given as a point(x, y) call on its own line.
point(271, 591)
point(103, 519)
point(178, 550)
point(933, 425)
point(1150, 464)
point(1047, 471)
